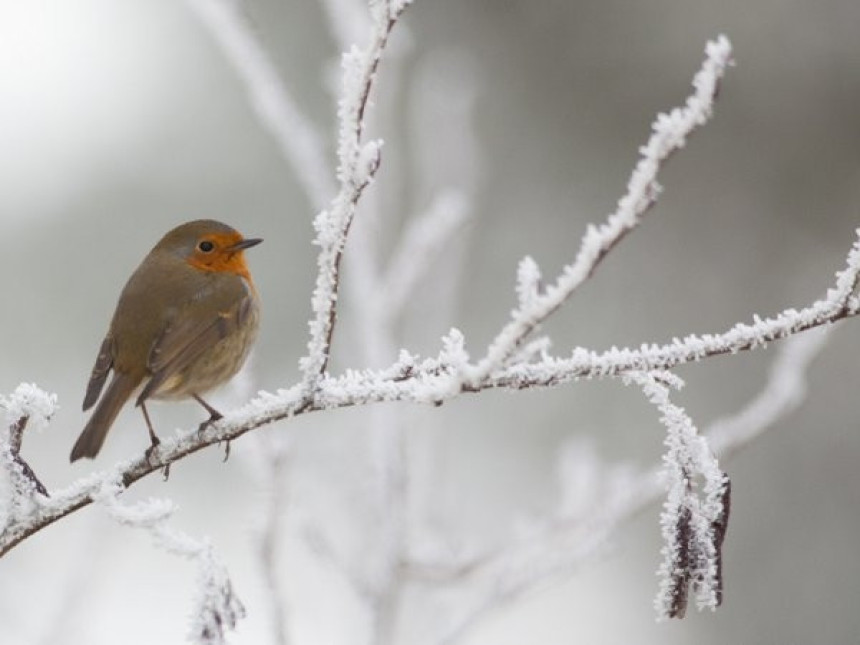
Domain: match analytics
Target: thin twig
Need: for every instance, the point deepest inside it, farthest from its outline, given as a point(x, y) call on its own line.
point(669, 134)
point(522, 565)
point(357, 165)
point(16, 437)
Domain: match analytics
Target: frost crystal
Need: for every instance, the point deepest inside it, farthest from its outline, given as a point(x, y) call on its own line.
point(669, 133)
point(217, 608)
point(693, 522)
point(31, 402)
point(528, 282)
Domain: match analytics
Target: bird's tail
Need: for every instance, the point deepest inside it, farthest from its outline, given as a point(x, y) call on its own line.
point(94, 433)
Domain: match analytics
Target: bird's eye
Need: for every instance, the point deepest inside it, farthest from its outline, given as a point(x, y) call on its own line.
point(206, 246)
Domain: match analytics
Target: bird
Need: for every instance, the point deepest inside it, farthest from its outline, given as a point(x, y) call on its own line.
point(184, 323)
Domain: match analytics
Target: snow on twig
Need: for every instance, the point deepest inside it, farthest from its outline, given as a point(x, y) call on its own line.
point(217, 608)
point(26, 406)
point(839, 302)
point(357, 165)
point(695, 514)
point(563, 545)
point(669, 134)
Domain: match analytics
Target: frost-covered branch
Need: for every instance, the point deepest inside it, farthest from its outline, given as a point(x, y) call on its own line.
point(303, 147)
point(357, 164)
point(218, 609)
point(669, 134)
point(436, 380)
point(695, 514)
point(609, 498)
point(28, 405)
point(840, 302)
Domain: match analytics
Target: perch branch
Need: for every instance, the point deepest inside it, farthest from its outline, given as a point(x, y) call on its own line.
point(429, 382)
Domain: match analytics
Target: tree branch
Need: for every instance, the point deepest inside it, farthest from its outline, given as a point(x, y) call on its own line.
point(357, 165)
point(669, 134)
point(430, 381)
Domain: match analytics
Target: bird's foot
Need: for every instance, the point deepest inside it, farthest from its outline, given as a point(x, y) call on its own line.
point(151, 457)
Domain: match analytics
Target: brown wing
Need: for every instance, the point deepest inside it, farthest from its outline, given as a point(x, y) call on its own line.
point(185, 339)
point(104, 363)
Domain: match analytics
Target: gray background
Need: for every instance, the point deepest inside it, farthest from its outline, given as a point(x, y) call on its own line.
point(119, 120)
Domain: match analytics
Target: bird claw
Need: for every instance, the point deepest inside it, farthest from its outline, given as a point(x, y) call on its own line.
point(215, 416)
point(150, 457)
point(150, 452)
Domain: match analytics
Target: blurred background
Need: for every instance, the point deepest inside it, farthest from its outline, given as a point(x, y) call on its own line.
point(119, 120)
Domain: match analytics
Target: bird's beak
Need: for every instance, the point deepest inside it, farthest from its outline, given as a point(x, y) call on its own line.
point(245, 244)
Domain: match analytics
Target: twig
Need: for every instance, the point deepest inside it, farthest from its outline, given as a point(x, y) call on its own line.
point(16, 434)
point(28, 405)
point(218, 608)
point(522, 565)
point(357, 165)
point(669, 134)
point(695, 514)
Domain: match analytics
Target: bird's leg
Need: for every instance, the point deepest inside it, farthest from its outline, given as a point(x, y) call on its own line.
point(214, 416)
point(153, 438)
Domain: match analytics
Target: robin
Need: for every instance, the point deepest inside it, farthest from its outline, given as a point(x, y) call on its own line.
point(184, 323)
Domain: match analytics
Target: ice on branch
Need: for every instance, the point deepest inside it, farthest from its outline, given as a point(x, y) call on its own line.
point(28, 407)
point(695, 514)
point(840, 302)
point(669, 133)
point(31, 402)
point(528, 282)
point(217, 608)
point(454, 355)
point(357, 165)
point(368, 161)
